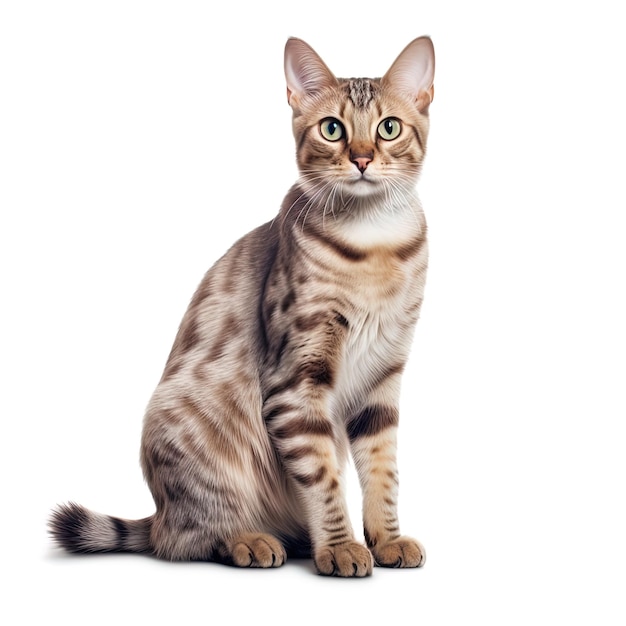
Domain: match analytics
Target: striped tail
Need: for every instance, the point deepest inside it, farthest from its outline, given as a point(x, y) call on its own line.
point(78, 529)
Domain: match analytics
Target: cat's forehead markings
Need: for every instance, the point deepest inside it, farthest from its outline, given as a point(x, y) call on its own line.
point(360, 91)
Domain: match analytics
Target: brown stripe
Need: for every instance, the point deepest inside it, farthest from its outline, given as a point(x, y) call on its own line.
point(411, 249)
point(300, 426)
point(277, 410)
point(371, 421)
point(345, 251)
point(338, 523)
point(337, 539)
point(341, 319)
point(397, 368)
point(317, 371)
point(173, 366)
point(310, 322)
point(228, 331)
point(288, 300)
point(287, 383)
point(418, 137)
point(309, 480)
point(297, 453)
point(189, 335)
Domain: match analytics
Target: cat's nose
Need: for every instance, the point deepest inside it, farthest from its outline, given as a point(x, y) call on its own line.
point(362, 160)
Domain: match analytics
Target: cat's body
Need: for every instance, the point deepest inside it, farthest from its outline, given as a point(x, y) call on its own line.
point(291, 352)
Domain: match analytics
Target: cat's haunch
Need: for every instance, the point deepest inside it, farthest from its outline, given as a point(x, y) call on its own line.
point(291, 353)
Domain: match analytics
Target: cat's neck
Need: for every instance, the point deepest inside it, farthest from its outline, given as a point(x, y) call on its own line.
point(391, 221)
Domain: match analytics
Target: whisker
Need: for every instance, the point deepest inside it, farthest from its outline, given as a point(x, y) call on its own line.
point(311, 201)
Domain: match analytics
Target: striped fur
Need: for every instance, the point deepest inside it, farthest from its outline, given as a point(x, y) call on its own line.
point(290, 355)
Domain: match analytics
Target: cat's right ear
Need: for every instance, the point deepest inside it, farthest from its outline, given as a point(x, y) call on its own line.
point(305, 71)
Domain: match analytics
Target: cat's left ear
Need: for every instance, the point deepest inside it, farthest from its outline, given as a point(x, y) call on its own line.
point(413, 72)
point(305, 71)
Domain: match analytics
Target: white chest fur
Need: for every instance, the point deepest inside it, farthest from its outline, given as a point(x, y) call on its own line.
point(379, 335)
point(385, 224)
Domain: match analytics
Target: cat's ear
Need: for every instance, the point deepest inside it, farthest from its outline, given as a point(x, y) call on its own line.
point(413, 72)
point(305, 71)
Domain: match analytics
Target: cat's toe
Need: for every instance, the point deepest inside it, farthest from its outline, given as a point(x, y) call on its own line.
point(258, 550)
point(350, 559)
point(403, 552)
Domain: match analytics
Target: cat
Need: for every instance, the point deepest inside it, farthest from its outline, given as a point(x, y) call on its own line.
point(291, 352)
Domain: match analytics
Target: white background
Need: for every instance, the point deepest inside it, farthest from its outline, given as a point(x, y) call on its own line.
point(138, 140)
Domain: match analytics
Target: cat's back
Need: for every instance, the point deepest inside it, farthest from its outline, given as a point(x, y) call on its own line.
point(221, 327)
point(209, 397)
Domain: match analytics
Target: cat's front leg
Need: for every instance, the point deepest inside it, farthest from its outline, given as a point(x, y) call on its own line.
point(304, 439)
point(298, 381)
point(372, 434)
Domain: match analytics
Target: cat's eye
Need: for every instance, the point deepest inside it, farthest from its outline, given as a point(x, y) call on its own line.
point(331, 129)
point(389, 128)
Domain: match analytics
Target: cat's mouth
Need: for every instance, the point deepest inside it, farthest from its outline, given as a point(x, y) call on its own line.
point(363, 183)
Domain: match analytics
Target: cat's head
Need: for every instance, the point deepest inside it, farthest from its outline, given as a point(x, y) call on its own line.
point(359, 138)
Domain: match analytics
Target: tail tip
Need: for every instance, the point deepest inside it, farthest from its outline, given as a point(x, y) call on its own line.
point(66, 525)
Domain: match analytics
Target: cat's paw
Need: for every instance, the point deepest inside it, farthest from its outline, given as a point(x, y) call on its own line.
point(402, 552)
point(350, 559)
point(258, 550)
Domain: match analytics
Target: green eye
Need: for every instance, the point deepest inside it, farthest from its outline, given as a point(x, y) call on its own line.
point(331, 129)
point(389, 129)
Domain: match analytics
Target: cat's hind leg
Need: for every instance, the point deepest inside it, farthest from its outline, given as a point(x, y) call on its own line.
point(194, 537)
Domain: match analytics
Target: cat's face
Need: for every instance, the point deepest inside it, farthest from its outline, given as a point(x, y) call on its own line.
point(359, 138)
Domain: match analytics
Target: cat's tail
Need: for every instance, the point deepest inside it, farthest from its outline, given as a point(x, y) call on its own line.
point(78, 529)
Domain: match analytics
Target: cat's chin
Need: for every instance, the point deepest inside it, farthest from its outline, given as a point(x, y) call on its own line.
point(364, 187)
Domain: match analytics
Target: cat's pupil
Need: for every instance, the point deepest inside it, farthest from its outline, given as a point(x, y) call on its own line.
point(331, 129)
point(389, 128)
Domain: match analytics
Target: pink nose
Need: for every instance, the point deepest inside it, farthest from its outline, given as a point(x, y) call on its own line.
point(361, 161)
